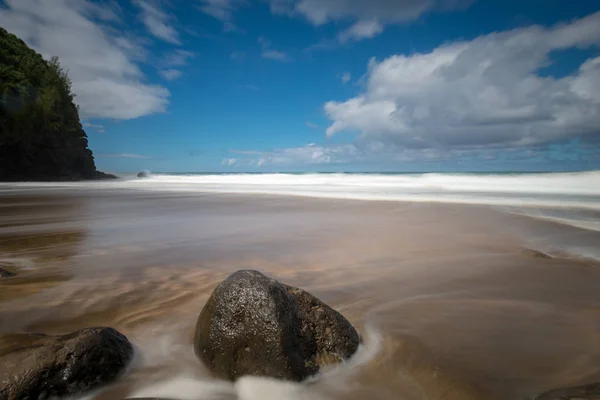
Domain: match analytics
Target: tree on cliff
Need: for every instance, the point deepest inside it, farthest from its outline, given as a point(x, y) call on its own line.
point(41, 137)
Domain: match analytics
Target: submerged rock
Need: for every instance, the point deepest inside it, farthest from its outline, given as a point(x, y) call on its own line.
point(586, 392)
point(254, 325)
point(143, 174)
point(38, 366)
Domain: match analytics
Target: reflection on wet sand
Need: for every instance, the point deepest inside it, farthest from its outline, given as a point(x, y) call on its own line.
point(466, 306)
point(38, 235)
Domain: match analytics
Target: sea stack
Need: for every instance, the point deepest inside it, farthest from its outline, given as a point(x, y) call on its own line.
point(255, 325)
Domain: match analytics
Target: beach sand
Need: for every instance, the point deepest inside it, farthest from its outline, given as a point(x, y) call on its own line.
point(453, 301)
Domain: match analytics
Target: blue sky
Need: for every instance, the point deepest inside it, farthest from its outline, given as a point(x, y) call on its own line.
point(327, 85)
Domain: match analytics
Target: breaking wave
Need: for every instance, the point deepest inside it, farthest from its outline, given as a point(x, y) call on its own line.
point(557, 190)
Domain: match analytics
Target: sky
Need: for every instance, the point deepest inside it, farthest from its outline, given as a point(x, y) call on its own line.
point(327, 85)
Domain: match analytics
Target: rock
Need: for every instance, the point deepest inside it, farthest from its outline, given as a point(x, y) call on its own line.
point(38, 366)
point(254, 325)
point(143, 174)
point(104, 176)
point(6, 273)
point(586, 392)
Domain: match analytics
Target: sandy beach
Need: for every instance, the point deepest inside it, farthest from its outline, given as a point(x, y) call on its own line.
point(453, 301)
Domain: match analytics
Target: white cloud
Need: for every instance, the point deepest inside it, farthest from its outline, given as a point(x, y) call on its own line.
point(484, 92)
point(275, 55)
point(312, 125)
point(170, 74)
point(346, 77)
point(157, 22)
point(229, 161)
point(92, 126)
point(269, 53)
point(106, 79)
point(303, 155)
point(368, 18)
point(219, 9)
point(177, 58)
point(363, 29)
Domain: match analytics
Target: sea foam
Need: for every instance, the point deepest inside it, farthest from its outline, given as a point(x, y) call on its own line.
point(573, 189)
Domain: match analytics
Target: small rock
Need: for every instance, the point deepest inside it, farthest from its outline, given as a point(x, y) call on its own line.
point(6, 273)
point(586, 392)
point(254, 325)
point(38, 366)
point(143, 174)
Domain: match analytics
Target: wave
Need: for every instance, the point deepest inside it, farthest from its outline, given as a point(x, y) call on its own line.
point(331, 381)
point(572, 189)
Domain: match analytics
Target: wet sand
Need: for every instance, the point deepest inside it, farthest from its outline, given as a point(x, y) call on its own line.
point(471, 302)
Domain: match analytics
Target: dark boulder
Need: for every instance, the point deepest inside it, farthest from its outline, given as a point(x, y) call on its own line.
point(586, 392)
point(143, 174)
point(38, 366)
point(254, 325)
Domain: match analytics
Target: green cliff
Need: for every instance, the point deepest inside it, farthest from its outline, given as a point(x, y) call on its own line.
point(41, 137)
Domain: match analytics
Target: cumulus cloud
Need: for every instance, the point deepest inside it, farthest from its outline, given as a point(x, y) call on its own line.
point(157, 22)
point(484, 92)
point(101, 61)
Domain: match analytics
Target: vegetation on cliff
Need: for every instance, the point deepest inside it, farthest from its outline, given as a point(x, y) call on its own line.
point(41, 137)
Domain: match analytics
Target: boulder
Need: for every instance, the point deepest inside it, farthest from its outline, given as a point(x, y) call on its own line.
point(38, 366)
point(586, 392)
point(143, 174)
point(254, 325)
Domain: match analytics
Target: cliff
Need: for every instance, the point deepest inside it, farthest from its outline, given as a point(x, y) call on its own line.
point(41, 137)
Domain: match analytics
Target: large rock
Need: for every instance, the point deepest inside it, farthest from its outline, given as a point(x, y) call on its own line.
point(254, 325)
point(586, 392)
point(38, 367)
